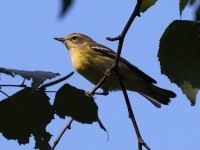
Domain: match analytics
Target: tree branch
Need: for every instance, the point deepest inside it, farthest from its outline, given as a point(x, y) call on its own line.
point(120, 38)
point(4, 93)
point(132, 117)
point(62, 132)
point(114, 68)
point(43, 87)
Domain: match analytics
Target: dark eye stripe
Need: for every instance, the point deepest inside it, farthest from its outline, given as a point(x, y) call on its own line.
point(74, 38)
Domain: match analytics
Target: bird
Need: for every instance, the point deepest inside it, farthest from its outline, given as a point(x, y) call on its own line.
point(91, 60)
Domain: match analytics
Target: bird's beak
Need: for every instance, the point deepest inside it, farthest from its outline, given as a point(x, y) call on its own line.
point(60, 39)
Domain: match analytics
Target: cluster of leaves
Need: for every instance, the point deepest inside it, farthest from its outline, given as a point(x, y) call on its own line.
point(29, 111)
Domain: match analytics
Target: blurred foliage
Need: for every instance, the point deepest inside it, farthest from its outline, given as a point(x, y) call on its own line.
point(197, 14)
point(65, 6)
point(179, 56)
point(196, 5)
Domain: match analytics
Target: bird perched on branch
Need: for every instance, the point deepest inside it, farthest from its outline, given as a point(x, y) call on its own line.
point(91, 60)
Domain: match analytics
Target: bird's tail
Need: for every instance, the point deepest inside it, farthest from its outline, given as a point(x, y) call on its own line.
point(160, 95)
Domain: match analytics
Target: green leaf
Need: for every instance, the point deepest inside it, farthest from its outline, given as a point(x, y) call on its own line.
point(146, 4)
point(27, 113)
point(65, 6)
point(190, 92)
point(73, 102)
point(179, 54)
point(182, 4)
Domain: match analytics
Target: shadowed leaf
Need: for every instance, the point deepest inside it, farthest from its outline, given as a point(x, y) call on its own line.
point(26, 113)
point(73, 102)
point(179, 56)
point(190, 92)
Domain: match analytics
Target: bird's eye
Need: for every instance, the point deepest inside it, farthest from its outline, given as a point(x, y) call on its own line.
point(74, 38)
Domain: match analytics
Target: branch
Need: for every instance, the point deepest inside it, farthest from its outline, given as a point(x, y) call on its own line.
point(4, 93)
point(13, 85)
point(135, 13)
point(62, 132)
point(114, 68)
point(120, 38)
point(132, 117)
point(43, 87)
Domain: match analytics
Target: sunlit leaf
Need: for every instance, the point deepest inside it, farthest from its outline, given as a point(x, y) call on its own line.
point(190, 92)
point(179, 54)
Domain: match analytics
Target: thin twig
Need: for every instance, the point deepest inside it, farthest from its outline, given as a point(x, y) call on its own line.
point(103, 79)
point(12, 85)
point(132, 117)
point(114, 68)
point(22, 85)
point(62, 132)
point(43, 87)
point(121, 37)
point(4, 93)
point(23, 81)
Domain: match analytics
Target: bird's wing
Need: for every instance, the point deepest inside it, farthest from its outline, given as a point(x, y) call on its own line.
point(105, 51)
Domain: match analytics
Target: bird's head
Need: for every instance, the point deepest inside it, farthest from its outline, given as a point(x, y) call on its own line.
point(74, 40)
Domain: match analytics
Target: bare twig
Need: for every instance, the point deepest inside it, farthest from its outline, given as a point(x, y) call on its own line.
point(132, 117)
point(13, 85)
point(103, 79)
point(43, 87)
point(23, 81)
point(4, 93)
point(114, 68)
point(61, 134)
point(22, 85)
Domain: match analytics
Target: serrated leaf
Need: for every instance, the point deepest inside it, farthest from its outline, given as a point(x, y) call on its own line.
point(179, 53)
point(27, 113)
point(182, 4)
point(72, 102)
point(38, 77)
point(146, 4)
point(190, 92)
